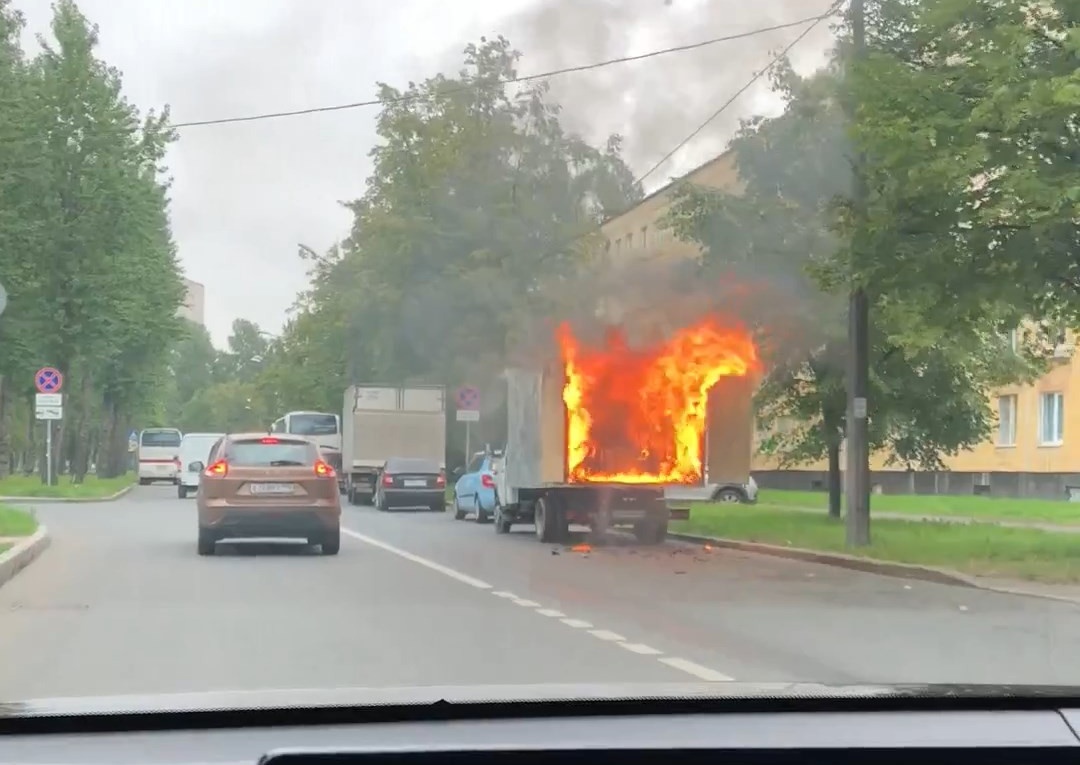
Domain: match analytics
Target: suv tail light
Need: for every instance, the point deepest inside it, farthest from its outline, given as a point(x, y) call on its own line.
point(219, 469)
point(323, 470)
point(440, 480)
point(487, 481)
point(387, 479)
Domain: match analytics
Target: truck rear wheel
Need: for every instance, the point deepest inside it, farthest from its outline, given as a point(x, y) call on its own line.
point(651, 532)
point(550, 520)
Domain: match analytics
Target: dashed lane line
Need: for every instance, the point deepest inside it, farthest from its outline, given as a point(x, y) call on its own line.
point(683, 665)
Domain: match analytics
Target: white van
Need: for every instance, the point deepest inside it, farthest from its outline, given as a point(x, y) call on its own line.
point(194, 448)
point(158, 452)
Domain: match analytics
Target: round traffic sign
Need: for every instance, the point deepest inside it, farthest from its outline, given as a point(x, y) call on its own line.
point(468, 397)
point(48, 380)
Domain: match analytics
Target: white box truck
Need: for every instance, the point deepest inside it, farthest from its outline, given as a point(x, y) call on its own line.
point(380, 422)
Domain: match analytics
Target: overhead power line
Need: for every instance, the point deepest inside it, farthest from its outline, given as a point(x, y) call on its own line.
point(506, 81)
point(813, 21)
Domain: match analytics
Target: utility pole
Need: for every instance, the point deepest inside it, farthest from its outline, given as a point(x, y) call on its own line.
point(858, 440)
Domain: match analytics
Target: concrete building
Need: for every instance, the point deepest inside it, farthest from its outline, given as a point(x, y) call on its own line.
point(194, 307)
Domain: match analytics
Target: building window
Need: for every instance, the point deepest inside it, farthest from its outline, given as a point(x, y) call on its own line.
point(1006, 420)
point(644, 236)
point(629, 241)
point(1051, 419)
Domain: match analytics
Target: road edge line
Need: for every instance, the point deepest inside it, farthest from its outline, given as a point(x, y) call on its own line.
point(23, 554)
point(67, 500)
point(892, 569)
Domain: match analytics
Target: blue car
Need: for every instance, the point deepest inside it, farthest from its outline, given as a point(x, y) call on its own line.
point(474, 491)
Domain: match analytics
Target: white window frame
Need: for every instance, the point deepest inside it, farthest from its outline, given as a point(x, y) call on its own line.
point(1007, 425)
point(1055, 400)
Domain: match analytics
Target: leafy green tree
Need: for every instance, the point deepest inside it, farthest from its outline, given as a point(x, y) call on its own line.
point(85, 247)
point(968, 111)
point(784, 234)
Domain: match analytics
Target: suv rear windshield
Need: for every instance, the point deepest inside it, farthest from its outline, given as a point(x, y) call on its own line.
point(161, 438)
point(313, 424)
point(282, 453)
point(411, 465)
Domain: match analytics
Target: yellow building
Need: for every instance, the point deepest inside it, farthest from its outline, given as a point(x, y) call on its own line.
point(1030, 454)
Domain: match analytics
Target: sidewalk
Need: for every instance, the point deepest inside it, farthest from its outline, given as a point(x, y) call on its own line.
point(1039, 525)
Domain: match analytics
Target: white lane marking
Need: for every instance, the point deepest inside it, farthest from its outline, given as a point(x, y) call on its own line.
point(608, 635)
point(578, 623)
point(704, 673)
point(683, 665)
point(453, 574)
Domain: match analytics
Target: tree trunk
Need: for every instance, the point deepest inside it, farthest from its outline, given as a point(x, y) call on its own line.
point(836, 490)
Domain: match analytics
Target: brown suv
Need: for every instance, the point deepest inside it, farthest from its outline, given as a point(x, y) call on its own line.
point(258, 485)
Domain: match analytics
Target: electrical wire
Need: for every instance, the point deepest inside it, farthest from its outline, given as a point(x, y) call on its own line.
point(504, 81)
point(749, 84)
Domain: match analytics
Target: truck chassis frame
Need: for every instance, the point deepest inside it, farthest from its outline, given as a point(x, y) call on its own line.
point(552, 508)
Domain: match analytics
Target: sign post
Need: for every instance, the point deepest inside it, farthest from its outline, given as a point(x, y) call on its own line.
point(48, 406)
point(468, 411)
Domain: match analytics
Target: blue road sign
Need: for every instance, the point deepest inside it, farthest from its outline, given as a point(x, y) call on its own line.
point(48, 380)
point(468, 398)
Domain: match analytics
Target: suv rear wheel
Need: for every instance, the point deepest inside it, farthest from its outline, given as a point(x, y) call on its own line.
point(207, 542)
point(331, 543)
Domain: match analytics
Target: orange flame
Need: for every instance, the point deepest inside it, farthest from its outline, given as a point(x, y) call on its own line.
point(639, 416)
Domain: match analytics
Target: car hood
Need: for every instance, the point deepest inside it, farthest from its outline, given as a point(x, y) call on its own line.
point(507, 694)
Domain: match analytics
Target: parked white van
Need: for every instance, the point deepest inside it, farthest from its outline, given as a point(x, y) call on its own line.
point(194, 448)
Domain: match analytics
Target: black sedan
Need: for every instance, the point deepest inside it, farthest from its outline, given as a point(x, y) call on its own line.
point(411, 482)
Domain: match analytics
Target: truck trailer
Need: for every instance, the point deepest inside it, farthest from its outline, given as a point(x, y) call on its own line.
point(533, 486)
point(380, 422)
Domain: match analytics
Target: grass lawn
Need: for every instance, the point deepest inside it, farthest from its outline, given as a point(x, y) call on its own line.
point(31, 486)
point(15, 522)
point(984, 508)
point(973, 549)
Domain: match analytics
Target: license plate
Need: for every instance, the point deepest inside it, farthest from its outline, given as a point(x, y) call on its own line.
point(627, 515)
point(271, 488)
point(415, 484)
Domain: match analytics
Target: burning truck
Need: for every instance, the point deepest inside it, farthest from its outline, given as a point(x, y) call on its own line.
point(612, 431)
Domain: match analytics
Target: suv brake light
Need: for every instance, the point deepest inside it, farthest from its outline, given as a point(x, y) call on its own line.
point(219, 469)
point(323, 470)
point(269, 440)
point(487, 481)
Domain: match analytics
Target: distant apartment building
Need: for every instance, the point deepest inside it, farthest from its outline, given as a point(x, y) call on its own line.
point(194, 307)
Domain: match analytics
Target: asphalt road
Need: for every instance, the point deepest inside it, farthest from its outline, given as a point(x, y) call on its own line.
point(120, 603)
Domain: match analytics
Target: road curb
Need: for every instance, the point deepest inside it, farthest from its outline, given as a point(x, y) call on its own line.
point(23, 554)
point(868, 565)
point(65, 500)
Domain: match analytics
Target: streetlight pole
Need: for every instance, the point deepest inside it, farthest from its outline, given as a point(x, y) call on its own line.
point(858, 436)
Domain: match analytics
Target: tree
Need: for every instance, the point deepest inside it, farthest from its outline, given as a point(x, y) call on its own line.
point(785, 234)
point(87, 253)
point(968, 111)
point(477, 195)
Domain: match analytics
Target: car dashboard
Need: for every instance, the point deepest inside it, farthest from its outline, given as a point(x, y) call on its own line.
point(1000, 729)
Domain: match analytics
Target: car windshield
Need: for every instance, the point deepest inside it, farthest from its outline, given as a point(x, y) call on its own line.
point(163, 438)
point(313, 424)
point(412, 465)
point(772, 309)
point(257, 453)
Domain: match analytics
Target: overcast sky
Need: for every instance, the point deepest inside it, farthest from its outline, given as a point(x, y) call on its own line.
point(245, 195)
